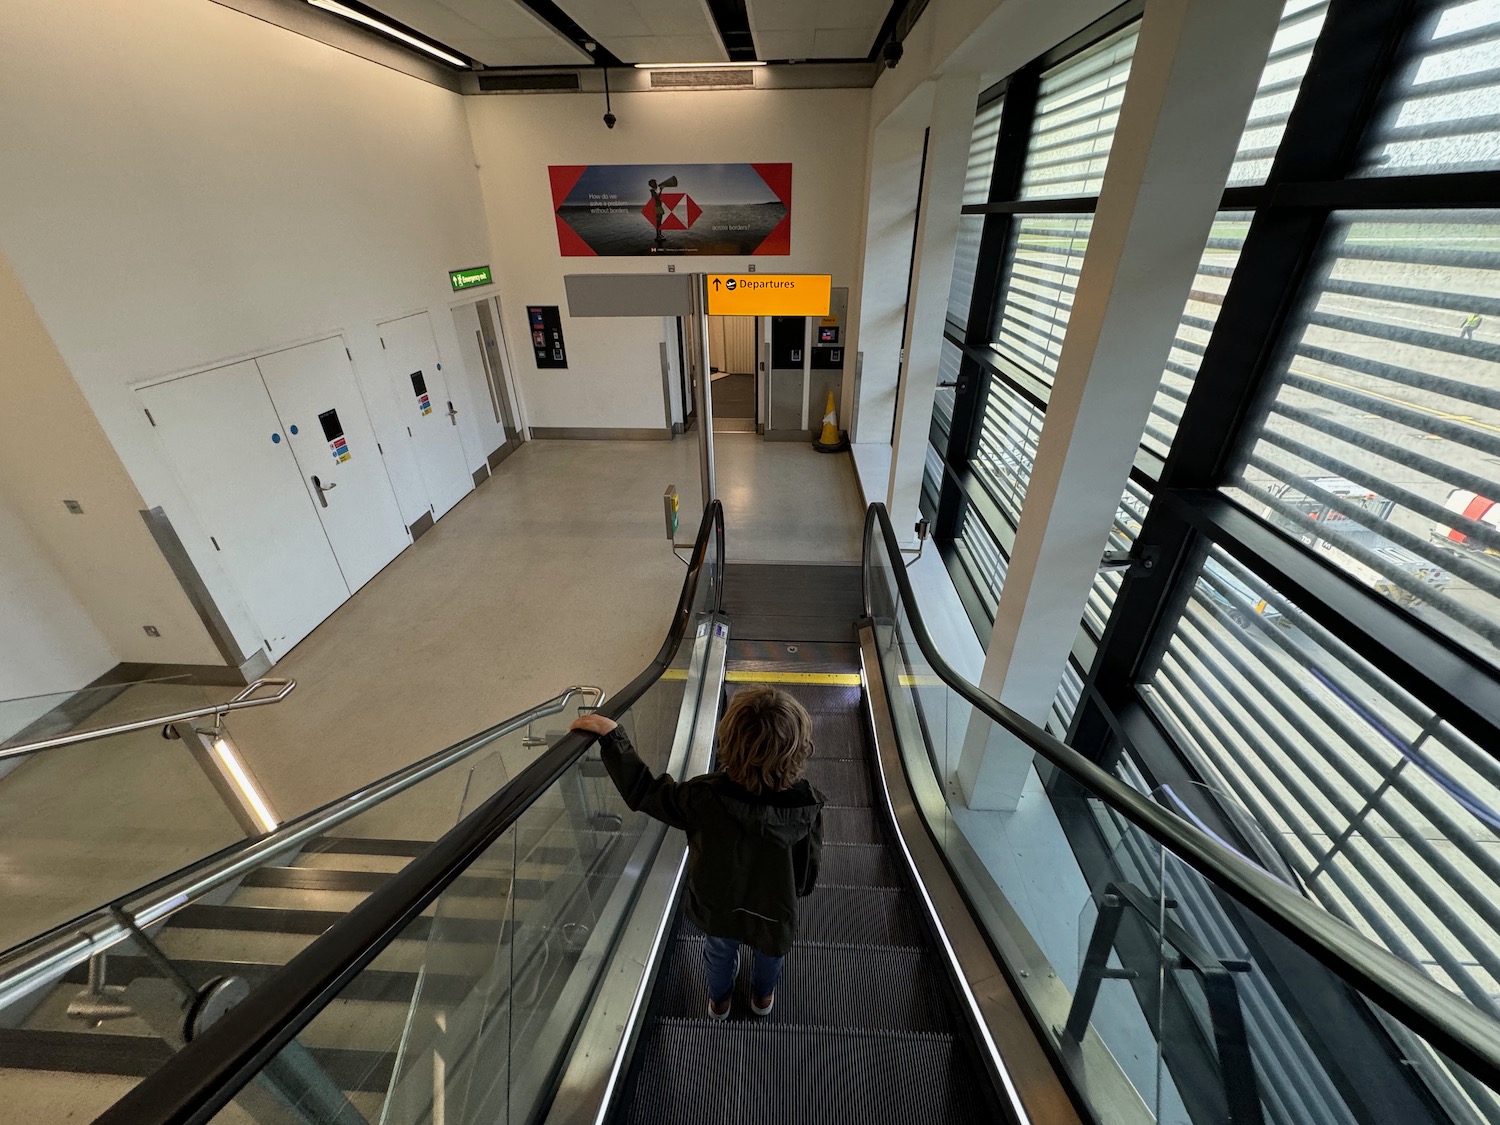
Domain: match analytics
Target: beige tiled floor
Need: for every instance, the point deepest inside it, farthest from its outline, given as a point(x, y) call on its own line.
point(556, 571)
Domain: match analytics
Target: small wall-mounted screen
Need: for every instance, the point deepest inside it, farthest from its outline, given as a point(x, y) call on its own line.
point(828, 335)
point(331, 428)
point(418, 384)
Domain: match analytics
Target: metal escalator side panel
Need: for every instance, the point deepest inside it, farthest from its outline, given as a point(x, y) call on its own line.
point(1010, 1046)
point(626, 967)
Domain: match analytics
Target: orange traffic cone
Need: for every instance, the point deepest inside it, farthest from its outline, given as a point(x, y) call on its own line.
point(830, 440)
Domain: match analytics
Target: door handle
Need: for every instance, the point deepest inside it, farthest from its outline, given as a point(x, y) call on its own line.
point(323, 490)
point(452, 414)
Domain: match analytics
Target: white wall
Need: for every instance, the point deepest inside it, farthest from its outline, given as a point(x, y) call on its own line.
point(47, 642)
point(614, 366)
point(181, 184)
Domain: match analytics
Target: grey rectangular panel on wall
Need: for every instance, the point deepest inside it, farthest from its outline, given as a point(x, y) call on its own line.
point(628, 294)
point(786, 401)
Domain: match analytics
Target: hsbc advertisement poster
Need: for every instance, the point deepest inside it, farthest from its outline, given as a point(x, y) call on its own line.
point(624, 210)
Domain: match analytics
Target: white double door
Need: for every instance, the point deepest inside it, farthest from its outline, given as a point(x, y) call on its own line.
point(427, 410)
point(277, 457)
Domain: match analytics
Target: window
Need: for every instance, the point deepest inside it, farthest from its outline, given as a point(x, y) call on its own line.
point(1381, 439)
point(1077, 109)
point(1444, 103)
point(1046, 257)
point(1386, 815)
point(1291, 51)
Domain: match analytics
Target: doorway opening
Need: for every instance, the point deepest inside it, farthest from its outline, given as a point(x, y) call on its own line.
point(735, 390)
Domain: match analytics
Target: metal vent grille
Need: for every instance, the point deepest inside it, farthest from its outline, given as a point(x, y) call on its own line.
point(738, 76)
point(525, 83)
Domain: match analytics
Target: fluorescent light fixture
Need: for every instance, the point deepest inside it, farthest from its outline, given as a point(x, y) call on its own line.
point(259, 808)
point(386, 29)
point(689, 65)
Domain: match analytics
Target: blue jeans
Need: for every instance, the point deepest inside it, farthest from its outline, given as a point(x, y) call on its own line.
point(721, 957)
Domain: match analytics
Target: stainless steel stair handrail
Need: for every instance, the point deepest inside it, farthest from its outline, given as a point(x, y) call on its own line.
point(1445, 1019)
point(240, 702)
point(45, 958)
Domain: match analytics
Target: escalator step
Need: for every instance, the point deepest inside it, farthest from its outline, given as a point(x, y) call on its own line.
point(844, 781)
point(837, 735)
point(860, 916)
point(889, 989)
point(859, 865)
point(843, 825)
point(762, 1072)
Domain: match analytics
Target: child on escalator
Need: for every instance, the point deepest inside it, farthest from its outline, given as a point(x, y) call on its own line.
point(755, 834)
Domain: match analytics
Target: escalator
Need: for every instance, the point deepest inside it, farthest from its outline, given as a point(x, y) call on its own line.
point(865, 1017)
point(1095, 955)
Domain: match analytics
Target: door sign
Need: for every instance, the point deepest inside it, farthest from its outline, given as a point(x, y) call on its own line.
point(333, 433)
point(419, 388)
point(545, 323)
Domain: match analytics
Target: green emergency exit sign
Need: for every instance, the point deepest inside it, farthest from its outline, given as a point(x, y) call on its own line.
point(467, 279)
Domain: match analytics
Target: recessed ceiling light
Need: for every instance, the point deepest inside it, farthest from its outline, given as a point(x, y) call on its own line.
point(386, 29)
point(695, 65)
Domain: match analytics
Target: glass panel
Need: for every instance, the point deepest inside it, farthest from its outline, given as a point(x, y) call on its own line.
point(1046, 257)
point(984, 561)
point(1379, 443)
point(1291, 51)
point(1443, 105)
point(1140, 969)
point(1199, 316)
point(1387, 816)
point(932, 482)
point(1106, 586)
point(949, 362)
point(1077, 108)
point(965, 262)
point(1065, 706)
point(982, 144)
point(1009, 432)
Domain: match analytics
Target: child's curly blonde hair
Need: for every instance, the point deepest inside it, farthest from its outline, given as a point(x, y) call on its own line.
point(765, 739)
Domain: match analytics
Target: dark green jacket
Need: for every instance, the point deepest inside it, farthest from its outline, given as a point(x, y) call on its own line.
point(750, 856)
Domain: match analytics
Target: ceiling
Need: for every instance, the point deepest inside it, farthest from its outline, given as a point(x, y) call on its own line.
point(508, 33)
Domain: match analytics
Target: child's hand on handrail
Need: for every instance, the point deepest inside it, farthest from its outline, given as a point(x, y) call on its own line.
point(593, 724)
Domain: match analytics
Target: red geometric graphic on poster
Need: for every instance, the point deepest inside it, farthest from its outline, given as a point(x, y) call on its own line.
point(681, 214)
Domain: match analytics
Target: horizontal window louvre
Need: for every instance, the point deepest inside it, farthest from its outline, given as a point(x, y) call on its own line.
point(1008, 437)
point(1443, 106)
point(1065, 704)
point(932, 482)
point(1078, 106)
point(1379, 443)
point(982, 558)
point(1199, 316)
point(1126, 526)
point(982, 153)
point(1387, 817)
point(965, 260)
point(1291, 51)
point(1045, 261)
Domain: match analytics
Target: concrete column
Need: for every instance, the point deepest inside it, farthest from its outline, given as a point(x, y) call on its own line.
point(1193, 79)
point(950, 127)
point(895, 179)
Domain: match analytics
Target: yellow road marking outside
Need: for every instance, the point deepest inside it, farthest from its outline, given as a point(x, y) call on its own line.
point(1408, 403)
point(836, 679)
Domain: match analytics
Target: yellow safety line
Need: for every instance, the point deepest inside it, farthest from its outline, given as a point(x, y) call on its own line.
point(839, 679)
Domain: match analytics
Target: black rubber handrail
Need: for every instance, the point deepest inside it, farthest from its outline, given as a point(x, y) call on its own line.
point(206, 1074)
point(1447, 1021)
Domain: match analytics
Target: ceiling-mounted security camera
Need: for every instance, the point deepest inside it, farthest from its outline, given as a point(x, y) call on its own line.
point(589, 45)
point(892, 53)
point(609, 120)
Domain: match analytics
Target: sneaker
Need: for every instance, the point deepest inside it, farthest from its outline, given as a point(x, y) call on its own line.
point(763, 1007)
point(717, 1013)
